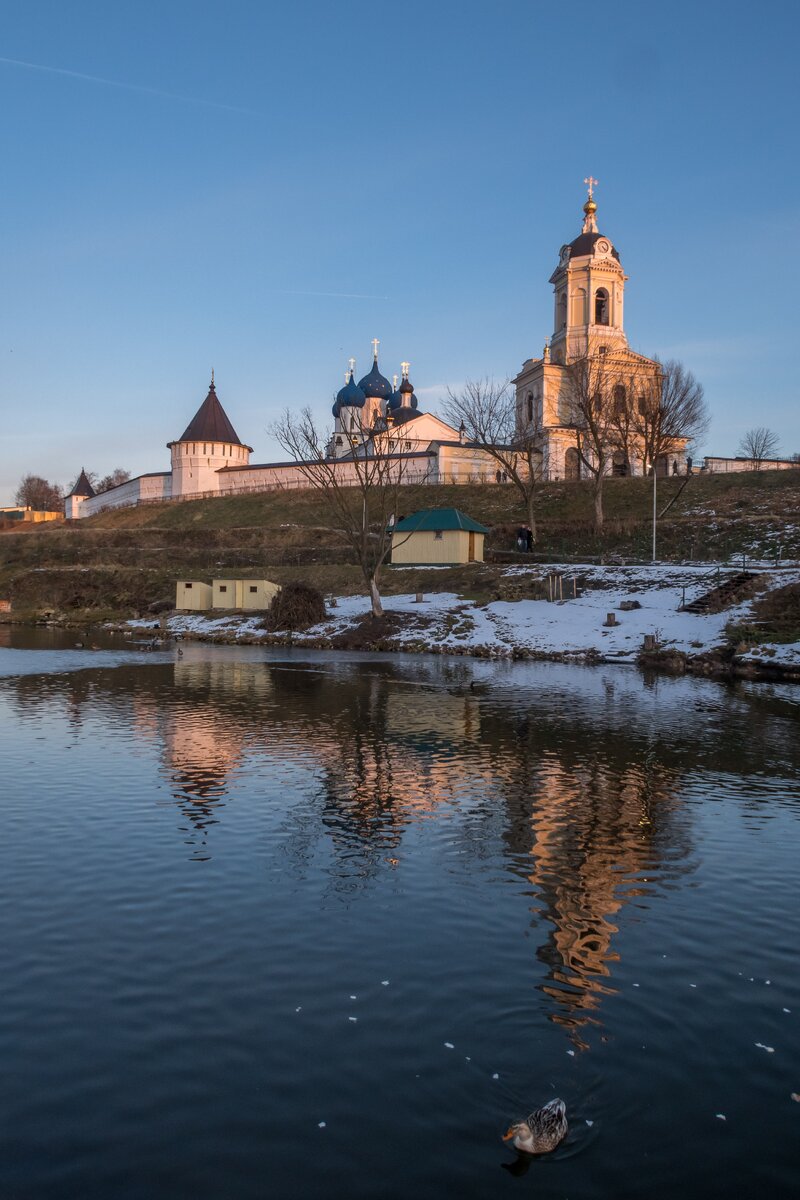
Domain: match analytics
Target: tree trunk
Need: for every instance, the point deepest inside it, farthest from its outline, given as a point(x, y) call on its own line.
point(598, 504)
point(532, 518)
point(375, 597)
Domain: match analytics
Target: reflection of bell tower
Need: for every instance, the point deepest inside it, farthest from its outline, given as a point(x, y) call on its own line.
point(589, 287)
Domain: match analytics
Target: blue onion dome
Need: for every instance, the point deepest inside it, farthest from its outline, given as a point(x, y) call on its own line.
point(376, 386)
point(335, 409)
point(350, 396)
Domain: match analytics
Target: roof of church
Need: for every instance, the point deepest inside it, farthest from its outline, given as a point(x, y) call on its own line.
point(584, 244)
point(428, 519)
point(210, 423)
point(82, 486)
point(350, 396)
point(375, 385)
point(404, 414)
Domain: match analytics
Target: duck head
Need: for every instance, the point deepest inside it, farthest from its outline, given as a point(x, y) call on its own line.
point(521, 1136)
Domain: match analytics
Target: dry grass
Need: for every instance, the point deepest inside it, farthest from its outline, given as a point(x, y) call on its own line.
point(132, 557)
point(775, 618)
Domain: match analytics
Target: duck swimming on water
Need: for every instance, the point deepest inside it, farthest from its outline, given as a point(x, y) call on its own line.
point(542, 1131)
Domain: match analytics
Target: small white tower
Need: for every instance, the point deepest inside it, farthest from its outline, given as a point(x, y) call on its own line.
point(83, 490)
point(208, 444)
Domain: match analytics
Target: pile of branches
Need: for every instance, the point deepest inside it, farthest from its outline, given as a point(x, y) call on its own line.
point(295, 606)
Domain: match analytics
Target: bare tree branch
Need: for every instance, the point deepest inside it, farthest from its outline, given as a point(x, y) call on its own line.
point(593, 417)
point(669, 411)
point(37, 493)
point(759, 444)
point(362, 488)
point(487, 411)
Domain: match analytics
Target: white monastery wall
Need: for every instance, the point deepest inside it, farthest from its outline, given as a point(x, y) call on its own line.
point(134, 491)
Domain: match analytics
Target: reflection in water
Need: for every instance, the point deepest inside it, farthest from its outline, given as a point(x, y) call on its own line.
point(586, 818)
point(514, 861)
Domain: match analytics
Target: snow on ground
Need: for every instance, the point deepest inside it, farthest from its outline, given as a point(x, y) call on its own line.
point(573, 627)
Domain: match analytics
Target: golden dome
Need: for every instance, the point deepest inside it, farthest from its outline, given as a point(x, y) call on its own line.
point(590, 206)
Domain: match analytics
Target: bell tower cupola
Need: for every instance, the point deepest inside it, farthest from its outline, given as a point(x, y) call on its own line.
point(589, 289)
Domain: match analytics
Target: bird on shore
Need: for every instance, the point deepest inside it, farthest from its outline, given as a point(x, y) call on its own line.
point(542, 1131)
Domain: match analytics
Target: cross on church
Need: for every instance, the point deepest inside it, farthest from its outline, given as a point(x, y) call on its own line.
point(352, 362)
point(591, 183)
point(405, 367)
point(375, 344)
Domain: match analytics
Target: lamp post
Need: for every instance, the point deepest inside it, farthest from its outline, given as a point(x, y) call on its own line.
point(654, 510)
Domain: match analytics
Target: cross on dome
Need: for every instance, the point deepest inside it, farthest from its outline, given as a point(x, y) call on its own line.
point(405, 367)
point(375, 344)
point(352, 362)
point(591, 183)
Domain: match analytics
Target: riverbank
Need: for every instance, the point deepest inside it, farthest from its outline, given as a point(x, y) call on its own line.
point(615, 610)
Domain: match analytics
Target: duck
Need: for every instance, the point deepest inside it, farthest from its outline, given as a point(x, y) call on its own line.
point(543, 1130)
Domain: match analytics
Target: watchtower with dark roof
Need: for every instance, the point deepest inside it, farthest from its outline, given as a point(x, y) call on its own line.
point(82, 490)
point(208, 444)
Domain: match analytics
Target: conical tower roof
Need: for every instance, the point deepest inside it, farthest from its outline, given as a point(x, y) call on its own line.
point(210, 423)
point(82, 486)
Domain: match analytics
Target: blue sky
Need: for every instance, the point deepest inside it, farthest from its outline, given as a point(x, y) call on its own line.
point(263, 188)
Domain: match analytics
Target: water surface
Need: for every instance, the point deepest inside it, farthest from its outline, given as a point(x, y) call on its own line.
point(300, 925)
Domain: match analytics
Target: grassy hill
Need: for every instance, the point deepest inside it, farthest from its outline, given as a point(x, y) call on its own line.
point(123, 560)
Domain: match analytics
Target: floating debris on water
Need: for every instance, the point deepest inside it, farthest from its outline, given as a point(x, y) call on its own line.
point(795, 1096)
point(299, 1007)
point(769, 1049)
point(571, 1053)
point(693, 985)
point(787, 1010)
point(589, 1123)
point(352, 1018)
point(449, 1045)
point(354, 997)
point(721, 1117)
point(322, 1124)
point(495, 1076)
point(384, 983)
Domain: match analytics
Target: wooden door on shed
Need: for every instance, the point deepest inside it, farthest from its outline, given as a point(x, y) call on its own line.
point(471, 555)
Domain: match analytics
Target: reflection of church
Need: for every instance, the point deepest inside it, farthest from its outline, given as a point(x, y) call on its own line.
point(589, 289)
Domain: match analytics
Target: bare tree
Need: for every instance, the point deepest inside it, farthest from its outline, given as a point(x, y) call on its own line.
point(114, 479)
point(362, 488)
point(668, 411)
point(38, 493)
point(759, 444)
point(591, 382)
point(487, 411)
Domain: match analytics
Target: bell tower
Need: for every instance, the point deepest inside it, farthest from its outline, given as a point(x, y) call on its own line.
point(589, 292)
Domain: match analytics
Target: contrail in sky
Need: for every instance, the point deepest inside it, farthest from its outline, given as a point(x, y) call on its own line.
point(335, 295)
point(128, 87)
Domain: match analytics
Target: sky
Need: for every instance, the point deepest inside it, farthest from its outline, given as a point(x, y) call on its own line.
point(263, 188)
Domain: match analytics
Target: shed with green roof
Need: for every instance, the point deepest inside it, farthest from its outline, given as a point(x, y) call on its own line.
point(438, 536)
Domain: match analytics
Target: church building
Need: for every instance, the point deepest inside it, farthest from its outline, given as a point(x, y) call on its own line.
point(210, 459)
point(374, 415)
point(588, 324)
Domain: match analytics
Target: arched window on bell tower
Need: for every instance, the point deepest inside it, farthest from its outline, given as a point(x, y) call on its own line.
point(601, 306)
point(529, 408)
point(562, 311)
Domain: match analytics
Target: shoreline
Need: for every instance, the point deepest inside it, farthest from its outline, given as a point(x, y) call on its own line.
point(644, 602)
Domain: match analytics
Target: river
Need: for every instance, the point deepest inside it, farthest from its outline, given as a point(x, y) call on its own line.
point(298, 925)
